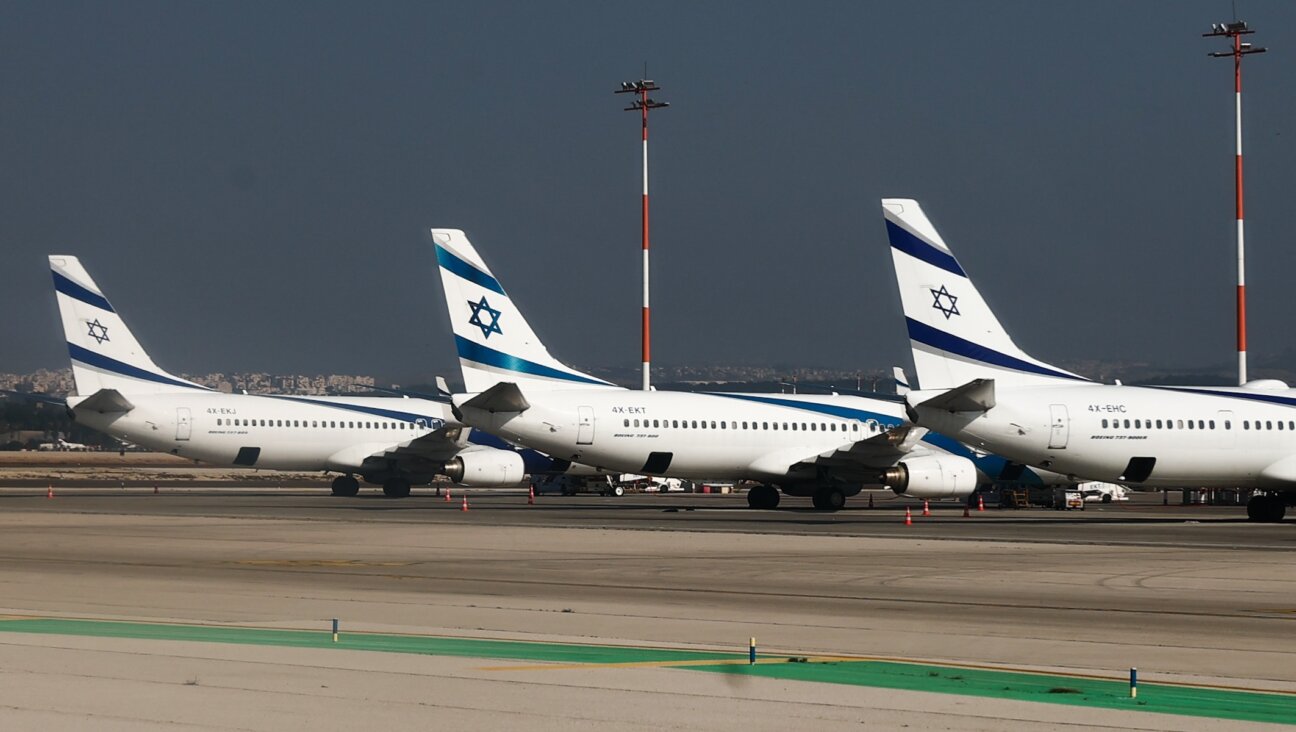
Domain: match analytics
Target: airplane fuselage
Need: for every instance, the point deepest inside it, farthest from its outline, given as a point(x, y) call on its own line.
point(1149, 436)
point(274, 432)
point(693, 435)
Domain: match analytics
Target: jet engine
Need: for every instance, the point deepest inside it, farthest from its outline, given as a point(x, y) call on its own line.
point(489, 467)
point(932, 476)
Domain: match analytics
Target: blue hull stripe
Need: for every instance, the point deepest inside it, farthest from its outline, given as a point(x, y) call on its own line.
point(1286, 401)
point(77, 292)
point(490, 357)
point(435, 423)
point(915, 247)
point(466, 271)
point(98, 360)
point(834, 410)
point(927, 335)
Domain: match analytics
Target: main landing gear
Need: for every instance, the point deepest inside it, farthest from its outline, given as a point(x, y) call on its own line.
point(829, 499)
point(396, 488)
point(345, 485)
point(1269, 509)
point(763, 496)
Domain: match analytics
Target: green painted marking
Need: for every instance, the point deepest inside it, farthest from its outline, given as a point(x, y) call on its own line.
point(1075, 691)
point(427, 645)
point(1167, 699)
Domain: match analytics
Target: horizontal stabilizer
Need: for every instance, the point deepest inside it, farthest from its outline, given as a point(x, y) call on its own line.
point(503, 397)
point(105, 401)
point(409, 394)
point(977, 395)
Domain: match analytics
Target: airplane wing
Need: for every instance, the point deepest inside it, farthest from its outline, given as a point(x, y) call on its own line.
point(857, 461)
point(424, 455)
point(439, 445)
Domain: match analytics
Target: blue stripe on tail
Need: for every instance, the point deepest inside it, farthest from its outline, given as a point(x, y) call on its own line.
point(915, 247)
point(77, 292)
point(467, 271)
point(927, 335)
point(490, 357)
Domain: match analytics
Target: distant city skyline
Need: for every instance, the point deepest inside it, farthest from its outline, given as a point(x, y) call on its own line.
point(252, 184)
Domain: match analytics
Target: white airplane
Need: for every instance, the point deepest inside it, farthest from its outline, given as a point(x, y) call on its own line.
point(389, 441)
point(980, 388)
point(826, 447)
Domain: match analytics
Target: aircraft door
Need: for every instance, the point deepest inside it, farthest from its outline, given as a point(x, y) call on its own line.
point(585, 425)
point(184, 423)
point(1059, 426)
point(1227, 423)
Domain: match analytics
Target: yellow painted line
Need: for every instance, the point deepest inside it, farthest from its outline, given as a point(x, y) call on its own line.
point(735, 661)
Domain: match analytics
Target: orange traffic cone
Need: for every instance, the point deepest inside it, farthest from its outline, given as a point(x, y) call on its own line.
point(531, 495)
point(926, 509)
point(908, 517)
point(465, 503)
point(49, 490)
point(980, 503)
point(870, 500)
point(447, 494)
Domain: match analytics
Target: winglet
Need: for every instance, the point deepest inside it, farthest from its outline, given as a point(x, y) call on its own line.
point(902, 381)
point(977, 395)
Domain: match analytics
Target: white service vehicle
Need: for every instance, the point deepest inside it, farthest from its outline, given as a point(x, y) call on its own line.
point(1098, 492)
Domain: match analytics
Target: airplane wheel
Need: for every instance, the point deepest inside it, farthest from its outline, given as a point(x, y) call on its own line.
point(1268, 509)
point(763, 497)
point(345, 485)
point(618, 490)
point(829, 499)
point(396, 488)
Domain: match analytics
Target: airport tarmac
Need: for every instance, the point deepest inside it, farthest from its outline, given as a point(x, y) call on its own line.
point(1189, 594)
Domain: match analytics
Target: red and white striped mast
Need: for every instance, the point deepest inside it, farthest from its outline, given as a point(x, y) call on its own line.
point(642, 105)
point(1234, 31)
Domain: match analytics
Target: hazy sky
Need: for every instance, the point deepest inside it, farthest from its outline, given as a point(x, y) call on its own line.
point(251, 184)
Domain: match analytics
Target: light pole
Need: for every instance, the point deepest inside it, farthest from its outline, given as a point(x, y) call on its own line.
point(642, 105)
point(1234, 31)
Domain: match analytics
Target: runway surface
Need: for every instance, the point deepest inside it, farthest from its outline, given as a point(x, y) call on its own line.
point(1188, 594)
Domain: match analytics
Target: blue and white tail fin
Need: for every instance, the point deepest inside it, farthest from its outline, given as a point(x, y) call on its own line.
point(494, 341)
point(954, 335)
point(105, 355)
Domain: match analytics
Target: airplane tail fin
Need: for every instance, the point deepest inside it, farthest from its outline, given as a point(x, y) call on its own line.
point(105, 355)
point(494, 340)
point(954, 335)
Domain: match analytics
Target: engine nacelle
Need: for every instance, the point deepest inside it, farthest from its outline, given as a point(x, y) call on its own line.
point(489, 467)
point(933, 476)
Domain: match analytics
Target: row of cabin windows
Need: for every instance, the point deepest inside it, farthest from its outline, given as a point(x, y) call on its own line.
point(329, 424)
point(703, 424)
point(1201, 424)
